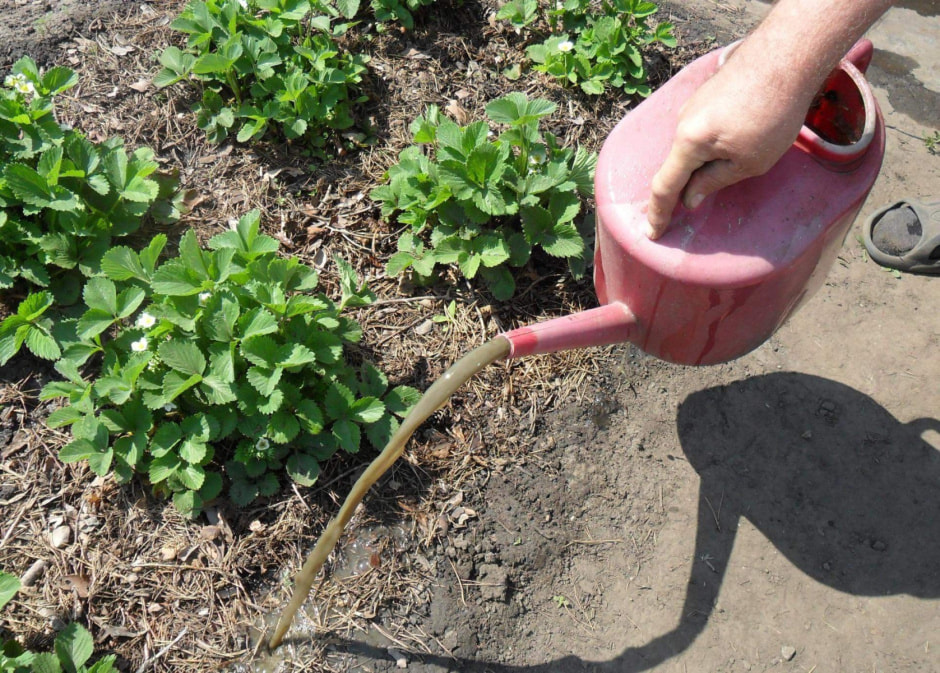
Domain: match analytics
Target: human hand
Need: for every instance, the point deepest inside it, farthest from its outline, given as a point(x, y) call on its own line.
point(736, 126)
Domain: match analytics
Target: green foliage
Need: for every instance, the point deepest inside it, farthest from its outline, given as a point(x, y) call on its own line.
point(593, 48)
point(217, 356)
point(72, 650)
point(267, 64)
point(64, 198)
point(396, 10)
point(932, 141)
point(485, 201)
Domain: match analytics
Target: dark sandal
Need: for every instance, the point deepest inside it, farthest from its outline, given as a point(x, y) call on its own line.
point(921, 219)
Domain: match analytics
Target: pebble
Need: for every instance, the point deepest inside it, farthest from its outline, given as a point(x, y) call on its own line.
point(424, 328)
point(61, 536)
point(399, 658)
point(787, 652)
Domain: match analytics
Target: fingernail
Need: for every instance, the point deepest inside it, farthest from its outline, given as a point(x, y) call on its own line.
point(695, 201)
point(651, 232)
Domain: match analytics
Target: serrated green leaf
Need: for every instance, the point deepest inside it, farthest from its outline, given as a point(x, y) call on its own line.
point(374, 381)
point(257, 322)
point(9, 585)
point(33, 189)
point(93, 322)
point(122, 263)
point(310, 416)
point(262, 351)
point(220, 322)
point(45, 662)
point(243, 492)
point(564, 241)
point(303, 468)
point(183, 356)
point(295, 355)
point(100, 461)
point(516, 109)
point(189, 503)
point(74, 647)
point(337, 401)
point(348, 435)
point(500, 282)
point(197, 427)
point(165, 438)
point(283, 427)
point(163, 467)
point(263, 379)
point(42, 345)
point(101, 294)
point(211, 487)
point(129, 300)
point(191, 476)
point(176, 280)
point(63, 416)
point(79, 449)
point(367, 410)
point(401, 399)
point(57, 79)
point(175, 384)
point(34, 305)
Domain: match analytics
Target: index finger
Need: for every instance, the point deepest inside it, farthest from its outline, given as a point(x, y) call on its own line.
point(667, 185)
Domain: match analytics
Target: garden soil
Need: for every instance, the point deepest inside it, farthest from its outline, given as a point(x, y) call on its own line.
point(777, 513)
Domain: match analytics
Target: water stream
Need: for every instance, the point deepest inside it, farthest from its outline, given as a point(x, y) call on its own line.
point(432, 400)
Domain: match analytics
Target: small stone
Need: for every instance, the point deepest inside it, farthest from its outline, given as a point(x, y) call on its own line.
point(878, 545)
point(34, 572)
point(787, 652)
point(169, 552)
point(808, 434)
point(424, 328)
point(399, 658)
point(61, 536)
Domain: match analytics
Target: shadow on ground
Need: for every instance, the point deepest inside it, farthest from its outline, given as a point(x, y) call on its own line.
point(849, 494)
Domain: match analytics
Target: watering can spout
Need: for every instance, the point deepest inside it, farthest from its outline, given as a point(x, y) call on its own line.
point(601, 326)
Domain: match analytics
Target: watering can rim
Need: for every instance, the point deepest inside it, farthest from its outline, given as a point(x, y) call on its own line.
point(854, 64)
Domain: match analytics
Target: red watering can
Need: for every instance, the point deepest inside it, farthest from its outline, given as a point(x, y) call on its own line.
point(726, 276)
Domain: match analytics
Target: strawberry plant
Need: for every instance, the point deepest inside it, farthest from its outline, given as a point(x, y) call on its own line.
point(64, 198)
point(482, 201)
point(593, 49)
point(72, 649)
point(398, 10)
point(267, 64)
point(219, 358)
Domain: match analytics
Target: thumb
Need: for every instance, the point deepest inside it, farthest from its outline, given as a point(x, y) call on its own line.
point(709, 179)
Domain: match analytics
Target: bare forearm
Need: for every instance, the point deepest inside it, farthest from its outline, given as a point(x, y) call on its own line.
point(801, 41)
point(741, 121)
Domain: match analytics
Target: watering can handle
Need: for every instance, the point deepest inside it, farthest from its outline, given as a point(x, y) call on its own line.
point(860, 54)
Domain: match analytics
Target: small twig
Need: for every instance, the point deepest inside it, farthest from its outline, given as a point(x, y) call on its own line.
point(459, 582)
point(592, 542)
point(159, 654)
point(714, 514)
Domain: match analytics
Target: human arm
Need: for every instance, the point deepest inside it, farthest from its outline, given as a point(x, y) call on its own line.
point(742, 120)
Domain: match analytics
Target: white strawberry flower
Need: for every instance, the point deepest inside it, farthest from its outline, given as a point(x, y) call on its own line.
point(565, 46)
point(262, 444)
point(146, 321)
point(20, 83)
point(169, 407)
point(204, 297)
point(140, 345)
point(243, 3)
